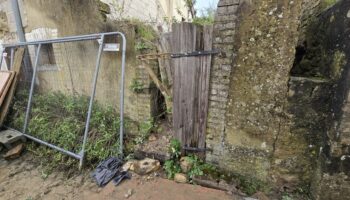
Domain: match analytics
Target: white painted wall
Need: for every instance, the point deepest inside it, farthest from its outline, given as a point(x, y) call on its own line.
point(155, 12)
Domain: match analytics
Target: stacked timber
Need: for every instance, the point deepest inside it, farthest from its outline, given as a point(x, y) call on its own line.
point(8, 83)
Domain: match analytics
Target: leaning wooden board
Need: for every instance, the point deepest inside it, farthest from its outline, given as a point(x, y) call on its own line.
point(16, 68)
point(6, 86)
point(4, 79)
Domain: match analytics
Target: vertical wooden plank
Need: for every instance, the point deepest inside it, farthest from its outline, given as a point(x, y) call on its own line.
point(175, 47)
point(191, 83)
point(204, 85)
point(195, 88)
point(190, 91)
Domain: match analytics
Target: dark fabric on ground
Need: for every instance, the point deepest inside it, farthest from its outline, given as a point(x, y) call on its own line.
point(121, 176)
point(109, 169)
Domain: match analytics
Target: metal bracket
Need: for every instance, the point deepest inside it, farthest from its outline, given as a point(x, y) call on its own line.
point(195, 53)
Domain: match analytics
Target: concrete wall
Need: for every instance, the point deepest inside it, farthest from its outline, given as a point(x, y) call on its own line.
point(74, 62)
point(249, 123)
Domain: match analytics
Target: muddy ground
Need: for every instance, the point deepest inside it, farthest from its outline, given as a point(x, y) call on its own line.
point(25, 179)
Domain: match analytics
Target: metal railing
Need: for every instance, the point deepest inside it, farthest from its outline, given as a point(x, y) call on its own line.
point(100, 37)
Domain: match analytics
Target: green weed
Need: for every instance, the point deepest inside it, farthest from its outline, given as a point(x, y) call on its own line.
point(199, 167)
point(172, 166)
point(136, 86)
point(145, 129)
point(60, 119)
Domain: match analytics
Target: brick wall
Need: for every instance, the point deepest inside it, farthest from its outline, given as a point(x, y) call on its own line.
point(224, 32)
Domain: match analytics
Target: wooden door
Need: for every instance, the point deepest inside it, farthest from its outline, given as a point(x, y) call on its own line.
point(191, 82)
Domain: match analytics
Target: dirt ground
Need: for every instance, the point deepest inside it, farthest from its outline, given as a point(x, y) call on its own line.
point(24, 179)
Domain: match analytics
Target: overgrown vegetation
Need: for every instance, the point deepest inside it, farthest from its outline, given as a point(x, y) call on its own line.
point(145, 35)
point(60, 120)
point(172, 166)
point(206, 17)
point(200, 17)
point(204, 20)
point(136, 86)
point(199, 168)
point(145, 128)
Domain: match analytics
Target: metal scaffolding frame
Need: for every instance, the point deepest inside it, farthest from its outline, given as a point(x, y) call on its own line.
point(100, 37)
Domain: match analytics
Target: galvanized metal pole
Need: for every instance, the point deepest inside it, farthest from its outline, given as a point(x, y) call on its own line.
point(2, 56)
point(86, 133)
point(18, 19)
point(26, 120)
point(21, 36)
point(12, 58)
point(39, 44)
point(121, 131)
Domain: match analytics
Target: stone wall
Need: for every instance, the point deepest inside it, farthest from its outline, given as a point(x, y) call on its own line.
point(327, 56)
point(263, 122)
point(249, 121)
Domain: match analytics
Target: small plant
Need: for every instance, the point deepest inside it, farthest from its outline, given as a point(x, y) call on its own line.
point(136, 86)
point(145, 35)
point(199, 167)
point(145, 128)
point(172, 166)
point(142, 46)
point(175, 149)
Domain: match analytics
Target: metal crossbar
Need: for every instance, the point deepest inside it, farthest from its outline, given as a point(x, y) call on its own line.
point(100, 37)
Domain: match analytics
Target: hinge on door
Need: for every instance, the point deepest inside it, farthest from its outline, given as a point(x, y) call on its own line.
point(195, 53)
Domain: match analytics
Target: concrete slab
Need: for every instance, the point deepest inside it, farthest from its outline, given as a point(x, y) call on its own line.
point(8, 137)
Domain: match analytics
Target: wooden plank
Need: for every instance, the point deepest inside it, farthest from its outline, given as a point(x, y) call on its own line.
point(176, 47)
point(17, 69)
point(204, 86)
point(191, 83)
point(163, 89)
point(4, 78)
point(3, 94)
point(166, 71)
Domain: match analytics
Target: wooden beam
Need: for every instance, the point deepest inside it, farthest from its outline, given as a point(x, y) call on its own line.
point(4, 78)
point(6, 86)
point(16, 69)
point(154, 56)
point(163, 89)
